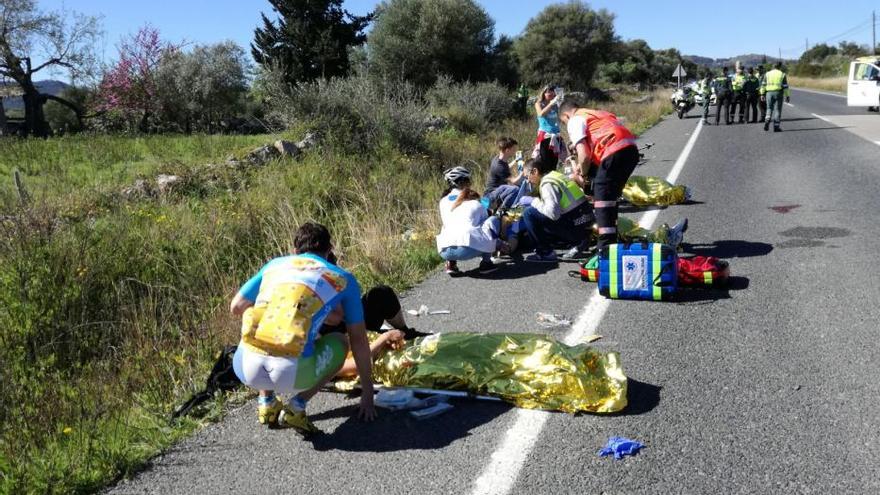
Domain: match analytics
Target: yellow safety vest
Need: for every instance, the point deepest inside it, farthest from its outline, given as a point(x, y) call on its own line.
point(738, 81)
point(571, 194)
point(774, 80)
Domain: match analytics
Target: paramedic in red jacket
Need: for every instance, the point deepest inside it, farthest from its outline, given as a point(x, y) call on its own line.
point(606, 156)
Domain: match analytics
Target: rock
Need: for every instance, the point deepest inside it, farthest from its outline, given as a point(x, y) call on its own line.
point(287, 148)
point(164, 182)
point(435, 123)
point(140, 189)
point(262, 155)
point(309, 141)
point(643, 99)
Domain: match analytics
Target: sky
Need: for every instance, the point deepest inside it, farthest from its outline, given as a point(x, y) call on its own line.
point(695, 28)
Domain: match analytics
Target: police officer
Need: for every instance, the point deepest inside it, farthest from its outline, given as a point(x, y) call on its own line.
point(773, 88)
point(723, 92)
point(751, 89)
point(738, 100)
point(704, 88)
point(762, 104)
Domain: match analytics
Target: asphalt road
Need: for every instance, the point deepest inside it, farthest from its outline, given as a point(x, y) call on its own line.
point(768, 387)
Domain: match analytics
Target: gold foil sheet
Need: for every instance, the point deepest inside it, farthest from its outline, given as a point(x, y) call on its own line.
point(528, 370)
point(653, 191)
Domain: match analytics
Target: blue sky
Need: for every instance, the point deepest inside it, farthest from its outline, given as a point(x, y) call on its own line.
point(695, 28)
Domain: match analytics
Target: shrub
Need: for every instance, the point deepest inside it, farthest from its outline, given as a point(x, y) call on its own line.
point(357, 113)
point(470, 106)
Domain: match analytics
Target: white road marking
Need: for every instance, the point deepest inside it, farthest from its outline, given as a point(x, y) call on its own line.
point(823, 118)
point(507, 460)
point(789, 104)
point(826, 93)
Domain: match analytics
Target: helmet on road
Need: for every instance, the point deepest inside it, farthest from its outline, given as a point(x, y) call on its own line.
point(457, 175)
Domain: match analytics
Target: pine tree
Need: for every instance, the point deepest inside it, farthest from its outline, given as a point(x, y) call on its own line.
point(309, 40)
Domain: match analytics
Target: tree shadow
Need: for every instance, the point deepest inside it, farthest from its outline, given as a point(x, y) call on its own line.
point(395, 431)
point(728, 249)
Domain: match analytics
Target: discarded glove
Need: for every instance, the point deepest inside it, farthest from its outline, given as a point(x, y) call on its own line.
point(620, 446)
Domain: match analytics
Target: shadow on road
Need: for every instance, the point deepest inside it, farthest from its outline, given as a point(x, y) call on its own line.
point(710, 295)
point(514, 269)
point(641, 398)
point(394, 431)
point(814, 129)
point(798, 119)
point(729, 249)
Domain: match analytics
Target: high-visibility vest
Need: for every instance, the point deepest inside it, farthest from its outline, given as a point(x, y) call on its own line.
point(774, 80)
point(606, 134)
point(722, 84)
point(704, 87)
point(738, 81)
point(570, 194)
point(294, 299)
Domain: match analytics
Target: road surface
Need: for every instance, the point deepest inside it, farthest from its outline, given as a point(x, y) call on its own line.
point(768, 387)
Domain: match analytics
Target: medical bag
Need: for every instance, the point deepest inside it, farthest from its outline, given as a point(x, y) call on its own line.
point(643, 270)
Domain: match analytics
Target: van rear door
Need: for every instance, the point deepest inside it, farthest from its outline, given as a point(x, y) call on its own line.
point(863, 87)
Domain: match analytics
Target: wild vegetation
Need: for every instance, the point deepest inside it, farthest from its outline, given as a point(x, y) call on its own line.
point(114, 299)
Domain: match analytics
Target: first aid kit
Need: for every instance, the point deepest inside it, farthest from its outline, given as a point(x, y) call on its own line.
point(647, 271)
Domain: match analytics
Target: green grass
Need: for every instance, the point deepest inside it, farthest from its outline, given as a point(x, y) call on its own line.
point(112, 308)
point(835, 84)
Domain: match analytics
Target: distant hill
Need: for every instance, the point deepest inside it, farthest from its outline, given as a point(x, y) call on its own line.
point(747, 60)
point(51, 87)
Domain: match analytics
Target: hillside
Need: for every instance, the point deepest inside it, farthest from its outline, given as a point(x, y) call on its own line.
point(49, 87)
point(748, 60)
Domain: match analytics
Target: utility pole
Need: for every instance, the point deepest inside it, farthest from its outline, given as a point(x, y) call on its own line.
point(806, 44)
point(780, 54)
point(874, 32)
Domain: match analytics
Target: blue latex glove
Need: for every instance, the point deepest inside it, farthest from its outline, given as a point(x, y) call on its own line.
point(525, 200)
point(620, 446)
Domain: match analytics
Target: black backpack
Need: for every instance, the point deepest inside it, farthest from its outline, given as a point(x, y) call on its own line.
point(221, 379)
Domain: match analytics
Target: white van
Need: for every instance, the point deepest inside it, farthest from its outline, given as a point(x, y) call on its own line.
point(863, 86)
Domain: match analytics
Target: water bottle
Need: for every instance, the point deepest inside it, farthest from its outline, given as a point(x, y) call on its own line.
point(519, 161)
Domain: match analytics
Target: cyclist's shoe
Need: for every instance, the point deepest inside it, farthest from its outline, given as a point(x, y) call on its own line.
point(298, 421)
point(268, 415)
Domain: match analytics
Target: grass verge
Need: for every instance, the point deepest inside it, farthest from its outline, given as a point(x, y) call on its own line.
point(113, 307)
point(834, 84)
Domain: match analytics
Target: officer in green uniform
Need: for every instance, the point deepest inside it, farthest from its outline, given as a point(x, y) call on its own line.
point(762, 104)
point(704, 88)
point(738, 100)
point(723, 92)
point(522, 98)
point(751, 89)
point(773, 88)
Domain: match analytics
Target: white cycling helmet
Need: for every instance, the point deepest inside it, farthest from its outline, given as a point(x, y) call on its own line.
point(456, 175)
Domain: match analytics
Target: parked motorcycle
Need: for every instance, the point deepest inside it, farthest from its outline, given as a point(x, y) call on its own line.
point(683, 100)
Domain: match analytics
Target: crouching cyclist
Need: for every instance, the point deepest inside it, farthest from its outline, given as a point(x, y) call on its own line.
point(281, 351)
point(606, 155)
point(560, 215)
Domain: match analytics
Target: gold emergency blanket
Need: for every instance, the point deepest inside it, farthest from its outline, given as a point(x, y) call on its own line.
point(630, 231)
point(653, 191)
point(528, 370)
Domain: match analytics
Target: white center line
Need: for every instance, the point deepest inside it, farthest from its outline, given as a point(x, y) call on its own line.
point(821, 117)
point(789, 104)
point(506, 462)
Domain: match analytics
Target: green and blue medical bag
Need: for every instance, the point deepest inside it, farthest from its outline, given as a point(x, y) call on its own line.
point(643, 270)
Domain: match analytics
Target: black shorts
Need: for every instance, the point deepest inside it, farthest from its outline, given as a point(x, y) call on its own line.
point(380, 304)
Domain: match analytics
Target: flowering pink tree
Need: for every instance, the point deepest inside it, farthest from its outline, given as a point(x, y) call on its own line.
point(129, 87)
